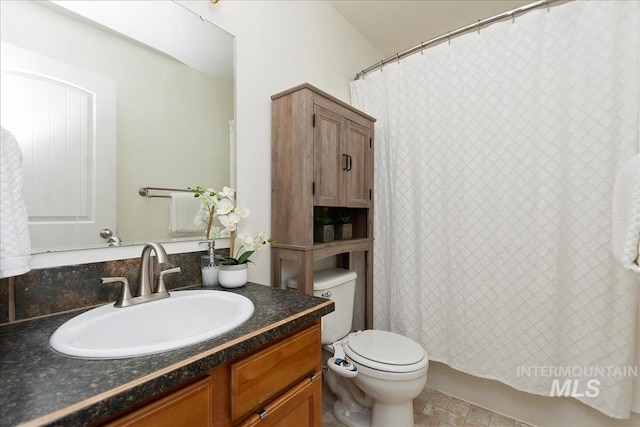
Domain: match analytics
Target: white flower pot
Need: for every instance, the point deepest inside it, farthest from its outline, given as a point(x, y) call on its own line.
point(233, 276)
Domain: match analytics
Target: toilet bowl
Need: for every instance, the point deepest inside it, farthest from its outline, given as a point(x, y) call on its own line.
point(375, 374)
point(392, 370)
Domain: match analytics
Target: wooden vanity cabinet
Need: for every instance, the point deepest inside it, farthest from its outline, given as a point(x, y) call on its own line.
point(321, 165)
point(278, 384)
point(281, 381)
point(188, 407)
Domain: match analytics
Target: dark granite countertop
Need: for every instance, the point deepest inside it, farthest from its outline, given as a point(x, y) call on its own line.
point(41, 387)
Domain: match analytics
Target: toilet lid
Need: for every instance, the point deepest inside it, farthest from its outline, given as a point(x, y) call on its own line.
point(385, 351)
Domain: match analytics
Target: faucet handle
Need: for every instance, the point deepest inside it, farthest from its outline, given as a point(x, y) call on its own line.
point(161, 286)
point(125, 292)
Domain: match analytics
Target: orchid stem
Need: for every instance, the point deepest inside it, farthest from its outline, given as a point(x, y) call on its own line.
point(210, 222)
point(232, 240)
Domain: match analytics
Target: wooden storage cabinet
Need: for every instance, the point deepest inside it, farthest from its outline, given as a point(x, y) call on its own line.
point(322, 162)
point(341, 160)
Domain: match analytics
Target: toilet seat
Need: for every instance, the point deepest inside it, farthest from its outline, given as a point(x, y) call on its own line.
point(385, 351)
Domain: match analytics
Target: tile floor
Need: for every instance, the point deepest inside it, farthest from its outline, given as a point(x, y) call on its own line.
point(433, 408)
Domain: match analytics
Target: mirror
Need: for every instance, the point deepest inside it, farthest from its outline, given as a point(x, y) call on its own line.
point(157, 111)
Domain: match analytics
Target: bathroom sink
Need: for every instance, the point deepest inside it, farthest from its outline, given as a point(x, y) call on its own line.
point(185, 318)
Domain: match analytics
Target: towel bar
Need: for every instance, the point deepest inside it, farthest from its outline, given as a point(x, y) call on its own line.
point(144, 191)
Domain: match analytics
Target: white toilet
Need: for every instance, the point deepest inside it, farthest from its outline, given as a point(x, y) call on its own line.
point(375, 374)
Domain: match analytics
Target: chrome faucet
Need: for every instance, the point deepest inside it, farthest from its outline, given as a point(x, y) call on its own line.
point(144, 292)
point(145, 278)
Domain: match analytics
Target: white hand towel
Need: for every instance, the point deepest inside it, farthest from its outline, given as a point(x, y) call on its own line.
point(625, 230)
point(183, 208)
point(15, 244)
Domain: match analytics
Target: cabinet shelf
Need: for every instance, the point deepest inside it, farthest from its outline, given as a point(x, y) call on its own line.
point(341, 245)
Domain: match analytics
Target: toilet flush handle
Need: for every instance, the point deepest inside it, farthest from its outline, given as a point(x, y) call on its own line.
point(326, 294)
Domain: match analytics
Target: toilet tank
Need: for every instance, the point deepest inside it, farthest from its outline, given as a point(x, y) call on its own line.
point(339, 285)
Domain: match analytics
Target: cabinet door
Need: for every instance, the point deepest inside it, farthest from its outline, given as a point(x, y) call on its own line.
point(188, 407)
point(357, 174)
point(260, 377)
point(300, 407)
point(329, 160)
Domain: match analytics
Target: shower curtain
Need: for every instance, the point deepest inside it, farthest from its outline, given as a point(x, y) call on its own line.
point(495, 161)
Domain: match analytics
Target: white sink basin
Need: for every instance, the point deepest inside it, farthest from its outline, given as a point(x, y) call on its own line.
point(185, 318)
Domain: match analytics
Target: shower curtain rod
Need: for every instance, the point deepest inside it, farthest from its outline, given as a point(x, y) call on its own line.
point(471, 27)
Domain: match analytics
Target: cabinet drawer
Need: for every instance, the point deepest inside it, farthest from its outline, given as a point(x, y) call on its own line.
point(301, 406)
point(258, 378)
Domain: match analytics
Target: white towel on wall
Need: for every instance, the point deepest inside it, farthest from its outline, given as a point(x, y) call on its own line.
point(183, 208)
point(15, 244)
point(625, 211)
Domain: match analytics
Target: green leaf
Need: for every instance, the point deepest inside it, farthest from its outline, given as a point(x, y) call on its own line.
point(244, 257)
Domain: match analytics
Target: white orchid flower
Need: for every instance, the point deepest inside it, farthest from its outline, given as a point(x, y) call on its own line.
point(245, 236)
point(247, 242)
point(228, 192)
point(242, 211)
point(215, 232)
point(224, 207)
point(261, 240)
point(209, 196)
point(202, 216)
point(234, 218)
point(229, 221)
point(198, 220)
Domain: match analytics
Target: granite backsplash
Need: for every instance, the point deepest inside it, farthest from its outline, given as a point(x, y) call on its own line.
point(58, 289)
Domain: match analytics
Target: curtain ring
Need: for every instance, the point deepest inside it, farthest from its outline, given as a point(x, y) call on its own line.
point(421, 48)
point(548, 6)
point(478, 26)
point(398, 57)
point(449, 38)
point(381, 65)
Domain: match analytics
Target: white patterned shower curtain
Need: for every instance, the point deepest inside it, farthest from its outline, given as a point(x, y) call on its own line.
point(496, 157)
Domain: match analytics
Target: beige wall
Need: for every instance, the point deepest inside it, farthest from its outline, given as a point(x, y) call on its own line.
point(279, 44)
